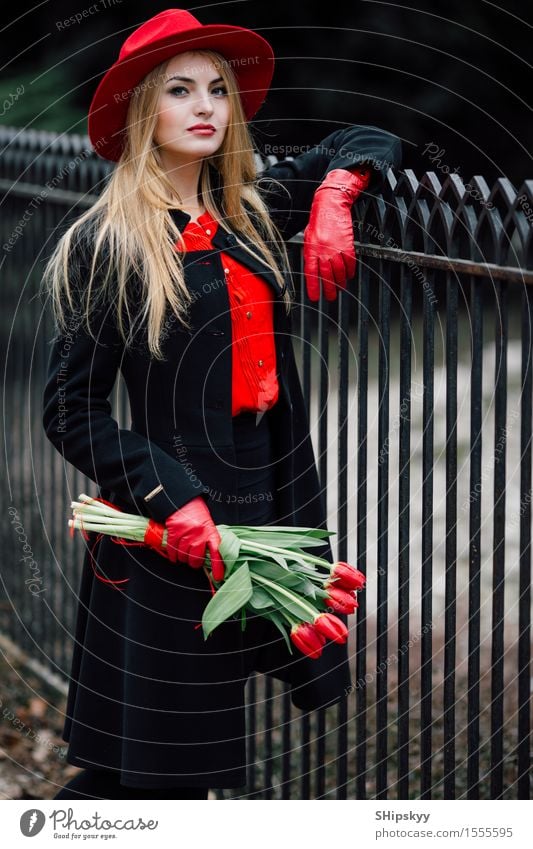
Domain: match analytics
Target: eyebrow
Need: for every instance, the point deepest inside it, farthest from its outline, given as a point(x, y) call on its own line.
point(190, 80)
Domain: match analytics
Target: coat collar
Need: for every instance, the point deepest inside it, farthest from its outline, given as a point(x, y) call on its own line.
point(227, 242)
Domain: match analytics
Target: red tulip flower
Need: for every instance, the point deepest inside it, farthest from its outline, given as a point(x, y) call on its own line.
point(306, 638)
point(331, 627)
point(340, 600)
point(347, 577)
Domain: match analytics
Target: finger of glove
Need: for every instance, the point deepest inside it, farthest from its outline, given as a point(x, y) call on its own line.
point(217, 563)
point(174, 550)
point(338, 269)
point(312, 279)
point(179, 544)
point(196, 554)
point(180, 553)
point(328, 280)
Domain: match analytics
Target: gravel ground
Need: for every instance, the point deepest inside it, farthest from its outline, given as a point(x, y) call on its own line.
point(32, 753)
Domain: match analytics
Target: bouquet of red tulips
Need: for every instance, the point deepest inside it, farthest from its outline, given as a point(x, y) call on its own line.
point(267, 572)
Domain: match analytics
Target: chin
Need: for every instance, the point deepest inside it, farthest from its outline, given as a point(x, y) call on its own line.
point(196, 147)
point(199, 145)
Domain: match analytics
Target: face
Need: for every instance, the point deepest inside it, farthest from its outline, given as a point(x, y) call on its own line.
point(192, 93)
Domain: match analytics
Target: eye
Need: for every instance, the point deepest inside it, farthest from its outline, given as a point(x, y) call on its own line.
point(178, 88)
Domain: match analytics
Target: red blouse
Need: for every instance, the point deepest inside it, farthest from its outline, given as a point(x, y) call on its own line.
point(254, 381)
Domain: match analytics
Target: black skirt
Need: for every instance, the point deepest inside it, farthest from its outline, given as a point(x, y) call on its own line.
point(149, 697)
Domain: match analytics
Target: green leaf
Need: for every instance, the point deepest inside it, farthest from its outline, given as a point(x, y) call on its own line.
point(232, 595)
point(288, 579)
point(252, 552)
point(309, 589)
point(260, 598)
point(279, 540)
point(278, 621)
point(229, 549)
point(277, 558)
point(285, 529)
point(243, 619)
point(292, 606)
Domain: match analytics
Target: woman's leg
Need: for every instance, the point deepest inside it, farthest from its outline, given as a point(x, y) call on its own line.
point(104, 784)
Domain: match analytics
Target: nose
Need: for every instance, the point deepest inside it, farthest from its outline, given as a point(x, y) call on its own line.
point(203, 105)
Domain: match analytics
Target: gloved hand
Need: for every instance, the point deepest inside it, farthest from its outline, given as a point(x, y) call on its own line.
point(190, 530)
point(329, 250)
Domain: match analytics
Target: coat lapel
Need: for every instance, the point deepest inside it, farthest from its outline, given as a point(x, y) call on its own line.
point(227, 242)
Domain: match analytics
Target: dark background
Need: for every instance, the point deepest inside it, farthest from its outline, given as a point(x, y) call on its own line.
point(456, 75)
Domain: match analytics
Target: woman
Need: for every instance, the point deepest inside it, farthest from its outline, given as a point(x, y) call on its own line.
point(178, 278)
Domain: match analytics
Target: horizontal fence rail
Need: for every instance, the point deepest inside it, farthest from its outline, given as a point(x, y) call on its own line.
point(418, 384)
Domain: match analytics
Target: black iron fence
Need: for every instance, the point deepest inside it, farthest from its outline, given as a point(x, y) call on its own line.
point(419, 385)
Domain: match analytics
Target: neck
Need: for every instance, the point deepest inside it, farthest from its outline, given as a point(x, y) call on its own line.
point(185, 178)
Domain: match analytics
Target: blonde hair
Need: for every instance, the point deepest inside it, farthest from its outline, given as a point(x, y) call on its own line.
point(130, 231)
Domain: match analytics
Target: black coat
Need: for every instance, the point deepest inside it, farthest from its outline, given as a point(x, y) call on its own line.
point(148, 695)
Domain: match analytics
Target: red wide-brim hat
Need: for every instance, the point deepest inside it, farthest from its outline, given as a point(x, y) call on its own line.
point(158, 39)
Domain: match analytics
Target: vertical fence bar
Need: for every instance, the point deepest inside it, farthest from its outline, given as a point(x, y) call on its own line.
point(268, 724)
point(524, 602)
point(382, 541)
point(251, 732)
point(450, 600)
point(474, 575)
point(342, 512)
point(50, 461)
point(305, 335)
point(6, 502)
point(287, 762)
point(305, 756)
point(498, 578)
point(286, 777)
point(322, 462)
point(16, 356)
point(427, 542)
point(362, 451)
point(406, 295)
point(306, 313)
point(62, 646)
point(42, 460)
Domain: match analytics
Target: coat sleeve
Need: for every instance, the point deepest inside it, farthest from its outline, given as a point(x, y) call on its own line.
point(77, 419)
point(348, 148)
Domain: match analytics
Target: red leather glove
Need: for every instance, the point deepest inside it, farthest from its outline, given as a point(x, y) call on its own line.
point(190, 530)
point(329, 250)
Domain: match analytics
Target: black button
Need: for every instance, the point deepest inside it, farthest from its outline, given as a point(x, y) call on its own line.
point(230, 240)
point(216, 332)
point(217, 405)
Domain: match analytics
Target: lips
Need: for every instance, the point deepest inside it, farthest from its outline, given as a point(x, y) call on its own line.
point(202, 128)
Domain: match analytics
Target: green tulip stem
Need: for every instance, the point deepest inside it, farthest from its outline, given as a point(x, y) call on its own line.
point(290, 619)
point(284, 551)
point(283, 591)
